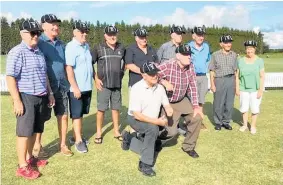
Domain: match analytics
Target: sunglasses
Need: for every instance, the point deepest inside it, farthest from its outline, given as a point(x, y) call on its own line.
point(84, 31)
point(34, 33)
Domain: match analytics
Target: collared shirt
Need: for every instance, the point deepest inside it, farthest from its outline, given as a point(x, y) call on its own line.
point(78, 56)
point(223, 64)
point(134, 55)
point(54, 53)
point(28, 67)
point(147, 100)
point(110, 64)
point(183, 81)
point(166, 51)
point(200, 57)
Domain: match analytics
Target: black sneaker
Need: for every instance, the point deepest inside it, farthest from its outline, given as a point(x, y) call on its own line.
point(146, 169)
point(125, 144)
point(72, 140)
point(81, 147)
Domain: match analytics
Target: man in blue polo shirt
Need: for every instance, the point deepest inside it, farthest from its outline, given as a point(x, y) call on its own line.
point(29, 88)
point(54, 53)
point(80, 76)
point(200, 59)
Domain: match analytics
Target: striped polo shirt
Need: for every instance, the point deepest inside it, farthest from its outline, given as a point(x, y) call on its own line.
point(28, 67)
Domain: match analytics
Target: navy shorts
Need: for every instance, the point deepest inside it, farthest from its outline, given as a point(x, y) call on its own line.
point(79, 107)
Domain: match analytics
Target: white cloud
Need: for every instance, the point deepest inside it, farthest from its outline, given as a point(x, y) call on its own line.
point(100, 4)
point(143, 20)
point(25, 15)
point(69, 4)
point(8, 15)
point(256, 29)
point(274, 39)
point(236, 17)
point(68, 15)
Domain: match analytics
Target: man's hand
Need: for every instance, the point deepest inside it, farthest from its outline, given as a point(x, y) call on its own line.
point(18, 108)
point(169, 86)
point(77, 93)
point(213, 88)
point(259, 94)
point(198, 111)
point(51, 101)
point(98, 84)
point(162, 121)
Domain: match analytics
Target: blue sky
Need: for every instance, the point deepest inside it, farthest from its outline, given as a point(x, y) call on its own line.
point(264, 16)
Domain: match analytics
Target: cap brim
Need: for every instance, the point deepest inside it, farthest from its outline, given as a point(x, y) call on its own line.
point(53, 21)
point(34, 29)
point(200, 33)
point(228, 41)
point(111, 32)
point(154, 72)
point(179, 32)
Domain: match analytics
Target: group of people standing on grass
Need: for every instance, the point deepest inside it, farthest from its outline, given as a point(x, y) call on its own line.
point(164, 86)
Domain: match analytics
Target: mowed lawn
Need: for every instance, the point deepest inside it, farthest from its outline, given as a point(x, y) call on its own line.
point(226, 157)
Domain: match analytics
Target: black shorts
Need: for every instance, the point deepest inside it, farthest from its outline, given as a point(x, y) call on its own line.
point(109, 95)
point(61, 103)
point(79, 107)
point(36, 112)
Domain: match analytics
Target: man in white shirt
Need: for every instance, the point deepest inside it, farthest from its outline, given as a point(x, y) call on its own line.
point(146, 99)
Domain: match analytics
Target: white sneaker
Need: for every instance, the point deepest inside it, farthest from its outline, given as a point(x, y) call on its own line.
point(253, 130)
point(243, 128)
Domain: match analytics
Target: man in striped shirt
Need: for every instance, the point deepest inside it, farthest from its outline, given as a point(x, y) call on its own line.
point(109, 56)
point(167, 50)
point(179, 78)
point(32, 96)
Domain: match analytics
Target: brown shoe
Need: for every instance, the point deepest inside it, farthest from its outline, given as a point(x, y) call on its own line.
point(203, 127)
point(65, 151)
point(40, 153)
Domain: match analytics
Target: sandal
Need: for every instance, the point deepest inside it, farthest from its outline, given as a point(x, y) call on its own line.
point(120, 138)
point(98, 140)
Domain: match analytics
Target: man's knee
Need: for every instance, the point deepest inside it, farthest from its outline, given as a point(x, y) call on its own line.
point(154, 130)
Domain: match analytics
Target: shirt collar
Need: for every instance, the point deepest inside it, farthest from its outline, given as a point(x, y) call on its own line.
point(106, 46)
point(229, 53)
point(36, 49)
point(77, 42)
point(44, 37)
point(147, 46)
point(171, 43)
point(193, 45)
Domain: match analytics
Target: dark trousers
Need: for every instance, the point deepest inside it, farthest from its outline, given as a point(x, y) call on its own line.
point(147, 146)
point(223, 102)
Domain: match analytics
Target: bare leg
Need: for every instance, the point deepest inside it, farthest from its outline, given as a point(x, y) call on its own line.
point(115, 118)
point(77, 125)
point(245, 119)
point(99, 123)
point(31, 142)
point(254, 118)
point(62, 128)
point(22, 147)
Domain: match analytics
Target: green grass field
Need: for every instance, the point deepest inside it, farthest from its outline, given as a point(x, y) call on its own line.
point(226, 157)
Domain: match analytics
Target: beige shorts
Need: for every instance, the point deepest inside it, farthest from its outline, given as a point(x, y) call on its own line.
point(249, 100)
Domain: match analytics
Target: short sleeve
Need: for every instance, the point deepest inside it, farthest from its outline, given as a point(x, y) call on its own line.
point(69, 55)
point(129, 56)
point(134, 100)
point(211, 66)
point(14, 64)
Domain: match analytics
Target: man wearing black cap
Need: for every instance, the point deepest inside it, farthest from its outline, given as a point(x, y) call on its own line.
point(32, 96)
point(137, 54)
point(55, 61)
point(223, 67)
point(79, 70)
point(200, 59)
point(109, 56)
point(167, 50)
point(146, 98)
point(183, 98)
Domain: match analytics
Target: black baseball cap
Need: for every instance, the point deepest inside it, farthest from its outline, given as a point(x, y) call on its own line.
point(250, 43)
point(226, 38)
point(149, 68)
point(80, 26)
point(111, 29)
point(184, 49)
point(140, 32)
point(177, 29)
point(49, 18)
point(30, 25)
point(198, 30)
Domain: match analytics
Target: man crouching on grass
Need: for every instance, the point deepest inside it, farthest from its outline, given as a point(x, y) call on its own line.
point(29, 87)
point(146, 98)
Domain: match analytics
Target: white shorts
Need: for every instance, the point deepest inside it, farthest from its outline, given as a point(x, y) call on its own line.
point(249, 99)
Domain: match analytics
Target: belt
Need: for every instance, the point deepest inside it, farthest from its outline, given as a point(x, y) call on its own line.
point(230, 75)
point(201, 74)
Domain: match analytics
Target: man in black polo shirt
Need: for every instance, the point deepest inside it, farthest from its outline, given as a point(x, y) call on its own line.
point(137, 54)
point(109, 56)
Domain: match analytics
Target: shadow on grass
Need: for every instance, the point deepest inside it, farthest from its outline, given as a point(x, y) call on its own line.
point(208, 111)
point(89, 129)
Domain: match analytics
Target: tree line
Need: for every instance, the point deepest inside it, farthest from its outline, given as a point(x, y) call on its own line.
point(158, 34)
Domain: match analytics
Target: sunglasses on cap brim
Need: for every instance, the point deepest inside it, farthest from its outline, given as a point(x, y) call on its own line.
point(34, 33)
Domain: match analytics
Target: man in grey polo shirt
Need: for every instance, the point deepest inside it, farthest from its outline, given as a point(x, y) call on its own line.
point(109, 56)
point(167, 50)
point(54, 53)
point(222, 68)
point(146, 99)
